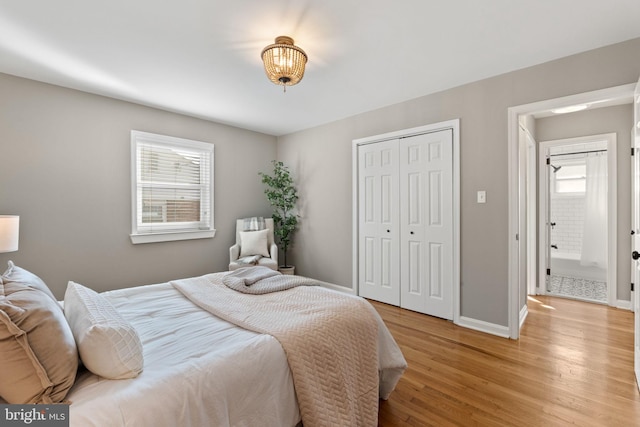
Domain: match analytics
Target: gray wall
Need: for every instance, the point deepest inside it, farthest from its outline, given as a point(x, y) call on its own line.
point(618, 120)
point(320, 159)
point(66, 171)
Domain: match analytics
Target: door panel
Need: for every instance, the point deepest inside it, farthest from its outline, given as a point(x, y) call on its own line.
point(415, 271)
point(436, 197)
point(415, 201)
point(426, 218)
point(436, 289)
point(378, 222)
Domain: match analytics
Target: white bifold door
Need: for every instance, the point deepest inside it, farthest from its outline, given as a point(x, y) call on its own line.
point(379, 219)
point(405, 215)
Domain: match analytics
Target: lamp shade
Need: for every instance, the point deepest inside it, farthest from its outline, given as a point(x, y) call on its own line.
point(9, 230)
point(284, 62)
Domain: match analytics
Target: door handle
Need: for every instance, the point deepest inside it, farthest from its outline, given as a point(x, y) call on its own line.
point(635, 255)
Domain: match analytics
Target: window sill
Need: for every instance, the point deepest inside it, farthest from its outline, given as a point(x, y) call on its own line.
point(171, 236)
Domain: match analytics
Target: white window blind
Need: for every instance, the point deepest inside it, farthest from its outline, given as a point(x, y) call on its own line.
point(172, 188)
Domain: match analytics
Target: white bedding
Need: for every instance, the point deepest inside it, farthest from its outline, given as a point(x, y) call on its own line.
point(198, 371)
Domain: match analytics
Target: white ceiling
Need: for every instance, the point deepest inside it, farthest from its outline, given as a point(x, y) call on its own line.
point(202, 57)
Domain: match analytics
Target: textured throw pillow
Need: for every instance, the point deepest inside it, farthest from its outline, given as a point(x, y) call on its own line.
point(38, 355)
point(254, 243)
point(109, 346)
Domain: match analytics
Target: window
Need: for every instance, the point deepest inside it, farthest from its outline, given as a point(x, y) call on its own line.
point(172, 188)
point(570, 178)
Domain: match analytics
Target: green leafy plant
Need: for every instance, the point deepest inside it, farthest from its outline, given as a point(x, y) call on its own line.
point(282, 194)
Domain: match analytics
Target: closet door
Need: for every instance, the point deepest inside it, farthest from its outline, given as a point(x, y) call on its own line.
point(378, 248)
point(426, 217)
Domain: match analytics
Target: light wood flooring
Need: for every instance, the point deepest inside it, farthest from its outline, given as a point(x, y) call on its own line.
point(573, 365)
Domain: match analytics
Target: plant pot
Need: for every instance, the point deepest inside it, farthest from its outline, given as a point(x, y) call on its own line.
point(286, 270)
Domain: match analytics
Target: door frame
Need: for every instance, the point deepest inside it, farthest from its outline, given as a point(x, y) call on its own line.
point(515, 175)
point(635, 240)
point(530, 209)
point(454, 125)
point(612, 208)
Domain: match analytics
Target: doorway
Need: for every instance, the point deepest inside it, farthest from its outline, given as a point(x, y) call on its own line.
point(578, 218)
point(519, 252)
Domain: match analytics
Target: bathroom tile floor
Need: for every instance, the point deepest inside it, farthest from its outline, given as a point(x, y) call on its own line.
point(572, 287)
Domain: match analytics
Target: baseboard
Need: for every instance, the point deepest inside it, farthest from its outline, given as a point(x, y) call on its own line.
point(338, 288)
point(624, 305)
point(524, 312)
point(482, 326)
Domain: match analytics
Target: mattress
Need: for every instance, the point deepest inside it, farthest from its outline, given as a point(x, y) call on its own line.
point(199, 370)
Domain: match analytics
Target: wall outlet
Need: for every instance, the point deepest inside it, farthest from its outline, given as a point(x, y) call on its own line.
point(482, 196)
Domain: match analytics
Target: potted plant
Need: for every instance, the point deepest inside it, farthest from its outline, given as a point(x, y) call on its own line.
point(282, 195)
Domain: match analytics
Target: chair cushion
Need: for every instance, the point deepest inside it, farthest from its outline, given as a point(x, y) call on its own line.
point(254, 243)
point(38, 355)
point(109, 345)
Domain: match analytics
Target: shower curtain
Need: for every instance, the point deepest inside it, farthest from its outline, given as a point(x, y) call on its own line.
point(594, 236)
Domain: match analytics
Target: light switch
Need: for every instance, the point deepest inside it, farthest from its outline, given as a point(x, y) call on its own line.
point(482, 196)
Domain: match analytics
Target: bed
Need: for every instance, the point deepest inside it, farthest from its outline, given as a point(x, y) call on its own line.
point(201, 370)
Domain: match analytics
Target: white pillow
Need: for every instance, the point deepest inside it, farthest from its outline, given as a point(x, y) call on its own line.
point(254, 243)
point(108, 345)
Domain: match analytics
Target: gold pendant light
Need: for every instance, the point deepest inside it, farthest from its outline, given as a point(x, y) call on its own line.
point(284, 62)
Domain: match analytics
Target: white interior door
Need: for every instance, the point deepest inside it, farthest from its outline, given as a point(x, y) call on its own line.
point(426, 217)
point(378, 210)
point(635, 185)
point(548, 224)
point(543, 218)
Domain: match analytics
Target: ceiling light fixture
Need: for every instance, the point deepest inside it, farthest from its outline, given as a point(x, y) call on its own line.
point(284, 62)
